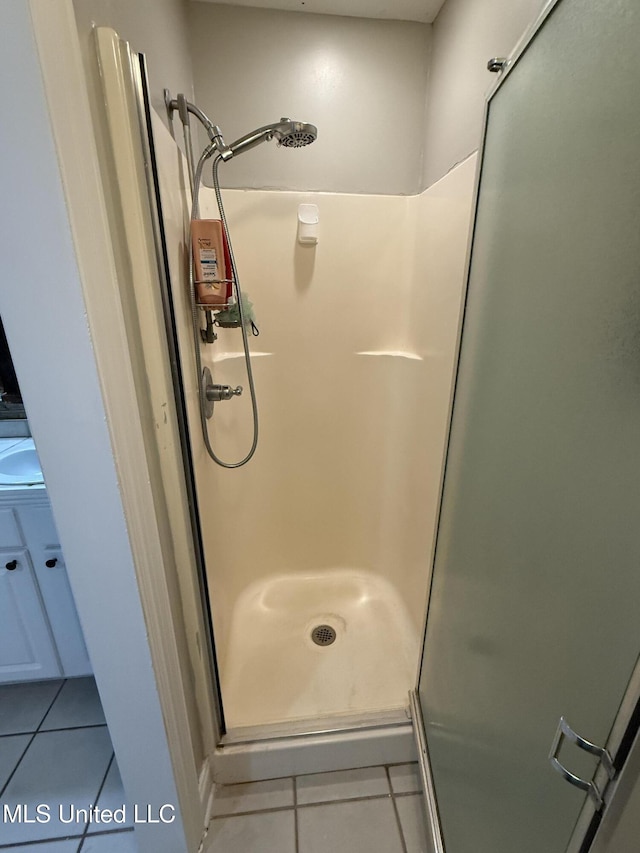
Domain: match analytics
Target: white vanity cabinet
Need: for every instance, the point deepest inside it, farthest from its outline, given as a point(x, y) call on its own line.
point(40, 635)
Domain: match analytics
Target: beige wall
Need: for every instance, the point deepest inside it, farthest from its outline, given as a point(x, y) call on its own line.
point(397, 104)
point(466, 34)
point(157, 28)
point(442, 216)
point(361, 81)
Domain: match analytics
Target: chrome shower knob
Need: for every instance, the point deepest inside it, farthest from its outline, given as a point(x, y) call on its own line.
point(215, 393)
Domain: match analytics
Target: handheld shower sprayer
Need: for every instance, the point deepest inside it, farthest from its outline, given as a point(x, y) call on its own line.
point(287, 133)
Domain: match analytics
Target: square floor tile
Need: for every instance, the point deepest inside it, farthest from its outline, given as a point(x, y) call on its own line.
point(62, 770)
point(413, 823)
point(405, 778)
point(11, 748)
point(116, 842)
point(253, 796)
point(268, 832)
point(364, 826)
point(77, 705)
point(113, 797)
point(342, 785)
point(70, 846)
point(22, 706)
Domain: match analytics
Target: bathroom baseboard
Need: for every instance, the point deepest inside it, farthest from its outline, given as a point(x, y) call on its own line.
point(313, 753)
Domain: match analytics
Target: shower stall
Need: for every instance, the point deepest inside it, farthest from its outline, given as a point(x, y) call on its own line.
point(316, 547)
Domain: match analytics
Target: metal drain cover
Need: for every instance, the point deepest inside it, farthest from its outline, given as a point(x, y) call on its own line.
point(323, 635)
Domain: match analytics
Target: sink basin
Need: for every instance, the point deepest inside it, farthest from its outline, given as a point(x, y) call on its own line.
point(20, 466)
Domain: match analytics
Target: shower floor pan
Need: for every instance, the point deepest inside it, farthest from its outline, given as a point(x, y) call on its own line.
point(274, 672)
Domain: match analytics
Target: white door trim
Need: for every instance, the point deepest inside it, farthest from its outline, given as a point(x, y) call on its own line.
point(64, 321)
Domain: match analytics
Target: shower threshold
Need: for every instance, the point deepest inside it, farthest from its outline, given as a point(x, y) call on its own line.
point(331, 743)
point(326, 725)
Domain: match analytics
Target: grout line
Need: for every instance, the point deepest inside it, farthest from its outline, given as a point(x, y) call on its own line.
point(345, 800)
point(346, 770)
point(95, 801)
point(120, 831)
point(64, 681)
point(38, 842)
point(73, 728)
point(26, 749)
point(388, 775)
point(304, 806)
point(11, 775)
point(397, 814)
point(42, 841)
point(295, 813)
point(253, 811)
point(61, 729)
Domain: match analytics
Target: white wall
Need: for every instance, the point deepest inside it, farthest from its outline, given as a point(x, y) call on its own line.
point(466, 34)
point(157, 28)
point(361, 81)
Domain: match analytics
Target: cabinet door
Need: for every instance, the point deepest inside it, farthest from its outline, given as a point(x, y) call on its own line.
point(27, 652)
point(42, 539)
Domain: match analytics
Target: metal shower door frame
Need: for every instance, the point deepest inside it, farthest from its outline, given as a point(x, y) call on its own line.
point(624, 738)
point(140, 82)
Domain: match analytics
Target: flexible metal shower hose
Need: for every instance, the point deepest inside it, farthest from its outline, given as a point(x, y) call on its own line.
point(195, 213)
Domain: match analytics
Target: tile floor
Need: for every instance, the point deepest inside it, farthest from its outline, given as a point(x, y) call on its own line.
point(370, 810)
point(55, 750)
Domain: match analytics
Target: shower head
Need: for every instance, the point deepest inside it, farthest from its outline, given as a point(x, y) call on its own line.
point(290, 134)
point(295, 134)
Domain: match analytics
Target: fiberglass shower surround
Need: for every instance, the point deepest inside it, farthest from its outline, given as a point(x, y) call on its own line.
point(323, 534)
point(289, 134)
point(326, 525)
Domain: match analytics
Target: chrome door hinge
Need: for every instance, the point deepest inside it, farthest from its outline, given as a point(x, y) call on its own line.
point(565, 730)
point(497, 64)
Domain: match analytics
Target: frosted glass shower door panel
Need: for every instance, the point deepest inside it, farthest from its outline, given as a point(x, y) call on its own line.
point(534, 605)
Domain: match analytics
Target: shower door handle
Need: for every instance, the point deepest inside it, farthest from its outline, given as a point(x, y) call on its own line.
point(564, 730)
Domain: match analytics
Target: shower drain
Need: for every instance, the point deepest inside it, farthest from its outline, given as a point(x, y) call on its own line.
point(323, 635)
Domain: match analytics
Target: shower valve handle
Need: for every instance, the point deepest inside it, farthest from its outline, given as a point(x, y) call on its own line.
point(215, 393)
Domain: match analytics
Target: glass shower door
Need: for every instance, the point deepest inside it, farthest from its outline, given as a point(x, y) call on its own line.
point(534, 605)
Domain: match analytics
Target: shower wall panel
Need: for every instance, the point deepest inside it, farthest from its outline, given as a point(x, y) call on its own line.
point(441, 221)
point(329, 487)
point(357, 351)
